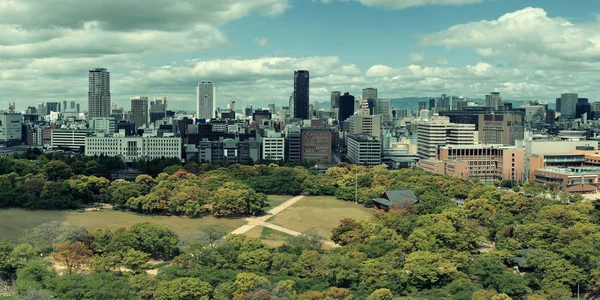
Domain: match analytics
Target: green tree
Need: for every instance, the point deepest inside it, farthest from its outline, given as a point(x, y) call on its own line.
point(426, 269)
point(381, 294)
point(183, 289)
point(136, 261)
point(57, 170)
point(34, 275)
point(255, 261)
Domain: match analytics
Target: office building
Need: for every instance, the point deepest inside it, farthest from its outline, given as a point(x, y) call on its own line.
point(293, 143)
point(583, 109)
point(68, 139)
point(10, 128)
point(301, 94)
point(383, 108)
point(345, 106)
point(158, 109)
point(500, 129)
point(584, 180)
point(134, 148)
point(335, 99)
point(470, 114)
point(431, 104)
point(73, 106)
point(261, 114)
point(364, 123)
point(369, 94)
point(206, 100)
point(483, 162)
point(106, 125)
point(493, 100)
point(568, 105)
point(364, 150)
point(543, 153)
point(273, 146)
point(52, 107)
point(316, 145)
point(444, 103)
point(99, 94)
point(248, 111)
point(423, 105)
point(34, 135)
point(550, 116)
point(400, 114)
point(139, 111)
point(229, 150)
point(231, 106)
point(440, 132)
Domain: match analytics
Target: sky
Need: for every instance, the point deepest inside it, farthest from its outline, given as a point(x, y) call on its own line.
point(524, 49)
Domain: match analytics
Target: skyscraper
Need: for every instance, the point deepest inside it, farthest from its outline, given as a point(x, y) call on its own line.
point(431, 104)
point(383, 108)
point(99, 93)
point(568, 105)
point(64, 106)
point(301, 94)
point(139, 111)
point(369, 93)
point(335, 99)
point(346, 107)
point(158, 109)
point(52, 107)
point(444, 103)
point(206, 100)
point(494, 101)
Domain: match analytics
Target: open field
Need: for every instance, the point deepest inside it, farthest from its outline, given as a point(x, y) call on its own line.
point(322, 213)
point(270, 237)
point(276, 200)
point(13, 221)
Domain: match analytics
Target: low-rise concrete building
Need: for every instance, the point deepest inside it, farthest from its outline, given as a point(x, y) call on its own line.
point(131, 148)
point(583, 180)
point(364, 150)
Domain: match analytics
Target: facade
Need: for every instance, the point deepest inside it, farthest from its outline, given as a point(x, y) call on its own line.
point(500, 129)
point(335, 99)
point(229, 150)
point(52, 107)
point(206, 100)
point(99, 93)
point(301, 94)
point(345, 107)
point(273, 147)
point(538, 153)
point(10, 128)
point(444, 103)
point(68, 139)
point(106, 125)
point(364, 123)
point(134, 148)
point(158, 109)
point(583, 180)
point(423, 105)
point(493, 100)
point(568, 105)
point(139, 111)
point(316, 145)
point(293, 144)
point(383, 108)
point(364, 150)
point(369, 93)
point(440, 132)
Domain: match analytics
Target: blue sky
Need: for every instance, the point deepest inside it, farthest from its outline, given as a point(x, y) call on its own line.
point(249, 48)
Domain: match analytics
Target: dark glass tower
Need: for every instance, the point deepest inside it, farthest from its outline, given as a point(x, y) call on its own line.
point(301, 90)
point(346, 108)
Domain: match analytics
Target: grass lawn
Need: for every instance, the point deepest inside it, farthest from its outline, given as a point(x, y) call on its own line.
point(270, 237)
point(276, 200)
point(322, 213)
point(13, 221)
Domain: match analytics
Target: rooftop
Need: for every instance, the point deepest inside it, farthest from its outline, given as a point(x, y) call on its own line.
point(573, 171)
point(480, 146)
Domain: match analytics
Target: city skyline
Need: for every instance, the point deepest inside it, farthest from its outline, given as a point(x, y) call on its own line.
point(249, 55)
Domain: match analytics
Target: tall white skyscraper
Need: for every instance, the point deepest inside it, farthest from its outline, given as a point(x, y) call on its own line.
point(99, 93)
point(206, 100)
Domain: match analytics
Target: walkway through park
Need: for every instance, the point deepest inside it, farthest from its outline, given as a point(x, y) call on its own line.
point(262, 221)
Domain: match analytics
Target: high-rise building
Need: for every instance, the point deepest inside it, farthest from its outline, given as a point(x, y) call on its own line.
point(52, 107)
point(64, 106)
point(493, 100)
point(568, 105)
point(383, 108)
point(273, 146)
point(301, 94)
point(248, 111)
point(431, 104)
point(558, 105)
point(346, 106)
point(500, 129)
point(293, 143)
point(364, 123)
point(206, 100)
point(139, 111)
point(316, 145)
point(231, 106)
point(439, 132)
point(423, 105)
point(99, 93)
point(335, 99)
point(158, 109)
point(444, 103)
point(78, 107)
point(10, 128)
point(364, 150)
point(369, 93)
point(550, 116)
point(73, 106)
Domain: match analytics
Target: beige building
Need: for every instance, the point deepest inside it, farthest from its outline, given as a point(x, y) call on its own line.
point(583, 180)
point(316, 145)
point(501, 129)
point(139, 111)
point(365, 123)
point(484, 162)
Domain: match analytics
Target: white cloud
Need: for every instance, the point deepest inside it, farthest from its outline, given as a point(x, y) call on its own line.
point(416, 58)
point(261, 42)
point(442, 61)
point(402, 4)
point(529, 38)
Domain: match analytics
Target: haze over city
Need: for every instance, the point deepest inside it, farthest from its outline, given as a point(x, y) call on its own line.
point(250, 48)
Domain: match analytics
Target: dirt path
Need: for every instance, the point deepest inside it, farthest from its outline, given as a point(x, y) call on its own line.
point(262, 221)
